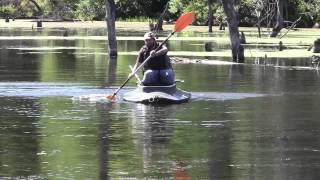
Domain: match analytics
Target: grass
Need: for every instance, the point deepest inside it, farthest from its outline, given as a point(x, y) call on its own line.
point(137, 19)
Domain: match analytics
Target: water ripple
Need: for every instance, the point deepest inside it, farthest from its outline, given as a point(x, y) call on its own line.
point(95, 94)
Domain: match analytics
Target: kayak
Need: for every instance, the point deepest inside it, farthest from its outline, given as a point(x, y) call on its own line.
point(157, 95)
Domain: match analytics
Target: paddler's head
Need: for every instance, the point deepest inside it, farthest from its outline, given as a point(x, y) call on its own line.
point(149, 39)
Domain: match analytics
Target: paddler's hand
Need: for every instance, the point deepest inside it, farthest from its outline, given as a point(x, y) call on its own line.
point(153, 53)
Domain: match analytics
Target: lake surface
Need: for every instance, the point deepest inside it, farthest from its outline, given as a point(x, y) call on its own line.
point(244, 121)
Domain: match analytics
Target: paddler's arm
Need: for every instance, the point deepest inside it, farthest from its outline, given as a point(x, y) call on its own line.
point(136, 65)
point(160, 52)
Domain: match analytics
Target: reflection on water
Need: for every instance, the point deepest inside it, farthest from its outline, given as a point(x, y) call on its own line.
point(243, 121)
point(19, 137)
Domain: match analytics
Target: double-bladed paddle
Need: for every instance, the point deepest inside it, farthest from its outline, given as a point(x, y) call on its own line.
point(183, 21)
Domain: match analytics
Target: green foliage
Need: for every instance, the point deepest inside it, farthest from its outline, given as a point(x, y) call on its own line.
point(85, 10)
point(309, 10)
point(141, 10)
point(7, 9)
point(133, 8)
point(250, 10)
point(312, 8)
point(219, 15)
point(200, 7)
point(125, 8)
point(176, 6)
point(17, 8)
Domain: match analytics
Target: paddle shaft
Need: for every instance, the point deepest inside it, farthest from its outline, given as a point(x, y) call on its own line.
point(141, 65)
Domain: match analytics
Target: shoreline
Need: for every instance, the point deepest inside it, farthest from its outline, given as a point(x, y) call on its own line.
point(138, 26)
point(32, 23)
point(293, 38)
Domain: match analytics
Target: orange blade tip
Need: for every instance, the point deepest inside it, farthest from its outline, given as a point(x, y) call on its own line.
point(184, 21)
point(111, 98)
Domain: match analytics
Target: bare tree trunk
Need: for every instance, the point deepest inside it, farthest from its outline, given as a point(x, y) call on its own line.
point(112, 69)
point(232, 19)
point(210, 15)
point(259, 27)
point(279, 24)
point(316, 46)
point(160, 20)
point(39, 13)
point(111, 18)
point(258, 10)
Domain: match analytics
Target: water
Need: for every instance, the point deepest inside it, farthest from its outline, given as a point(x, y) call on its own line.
point(243, 121)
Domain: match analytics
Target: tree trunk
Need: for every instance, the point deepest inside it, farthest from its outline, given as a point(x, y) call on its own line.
point(159, 24)
point(39, 23)
point(160, 20)
point(279, 24)
point(232, 19)
point(259, 27)
point(210, 15)
point(112, 69)
point(316, 46)
point(40, 12)
point(111, 27)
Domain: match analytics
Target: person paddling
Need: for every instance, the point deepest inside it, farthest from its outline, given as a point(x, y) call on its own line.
point(180, 24)
point(158, 70)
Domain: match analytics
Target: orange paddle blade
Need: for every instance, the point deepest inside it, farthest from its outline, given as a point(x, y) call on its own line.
point(183, 21)
point(111, 98)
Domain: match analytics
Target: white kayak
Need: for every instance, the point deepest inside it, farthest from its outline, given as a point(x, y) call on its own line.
point(157, 94)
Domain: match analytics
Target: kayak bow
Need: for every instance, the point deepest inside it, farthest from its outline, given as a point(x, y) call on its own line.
point(157, 94)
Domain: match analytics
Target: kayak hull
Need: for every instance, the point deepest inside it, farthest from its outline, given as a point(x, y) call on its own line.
point(157, 95)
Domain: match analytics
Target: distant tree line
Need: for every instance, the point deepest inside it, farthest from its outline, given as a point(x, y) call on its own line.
point(250, 12)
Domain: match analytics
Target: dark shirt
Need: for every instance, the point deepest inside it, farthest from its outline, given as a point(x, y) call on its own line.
point(155, 63)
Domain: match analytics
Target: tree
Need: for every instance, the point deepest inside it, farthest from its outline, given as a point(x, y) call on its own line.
point(311, 9)
point(160, 19)
point(40, 11)
point(279, 20)
point(232, 19)
point(210, 15)
point(258, 10)
point(136, 8)
point(111, 32)
point(200, 7)
point(63, 9)
point(22, 7)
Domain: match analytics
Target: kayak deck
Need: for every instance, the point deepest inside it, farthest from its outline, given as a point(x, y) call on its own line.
point(157, 94)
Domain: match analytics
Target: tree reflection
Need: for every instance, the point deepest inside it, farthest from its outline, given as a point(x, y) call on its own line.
point(220, 153)
point(104, 140)
point(236, 76)
point(19, 138)
point(152, 131)
point(112, 69)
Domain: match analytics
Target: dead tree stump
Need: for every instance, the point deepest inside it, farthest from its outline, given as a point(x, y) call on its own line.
point(39, 24)
point(316, 46)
